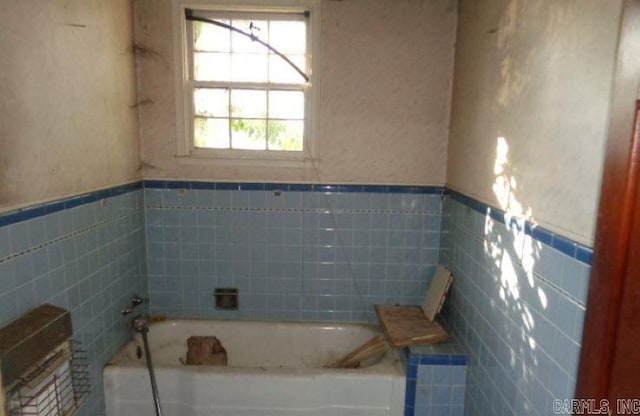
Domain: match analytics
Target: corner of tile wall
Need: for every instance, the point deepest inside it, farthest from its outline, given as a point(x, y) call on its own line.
point(517, 304)
point(436, 379)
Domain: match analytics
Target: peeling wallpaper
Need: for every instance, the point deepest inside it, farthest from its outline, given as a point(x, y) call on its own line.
point(385, 86)
point(67, 88)
point(530, 107)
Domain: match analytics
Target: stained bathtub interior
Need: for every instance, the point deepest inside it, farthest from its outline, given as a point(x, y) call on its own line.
point(273, 368)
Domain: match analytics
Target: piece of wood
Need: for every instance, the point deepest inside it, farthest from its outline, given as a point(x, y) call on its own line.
point(205, 350)
point(408, 325)
point(437, 293)
point(369, 352)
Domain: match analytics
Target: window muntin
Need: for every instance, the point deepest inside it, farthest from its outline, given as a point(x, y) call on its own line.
point(245, 98)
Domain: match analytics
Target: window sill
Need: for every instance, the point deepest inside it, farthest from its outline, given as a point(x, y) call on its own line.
point(304, 163)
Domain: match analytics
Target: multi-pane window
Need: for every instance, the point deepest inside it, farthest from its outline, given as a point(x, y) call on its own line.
point(245, 96)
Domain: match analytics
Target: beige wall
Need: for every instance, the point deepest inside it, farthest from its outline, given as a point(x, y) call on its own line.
point(67, 84)
point(385, 91)
point(537, 73)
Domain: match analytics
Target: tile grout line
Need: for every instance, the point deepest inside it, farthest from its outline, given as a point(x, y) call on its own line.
point(67, 236)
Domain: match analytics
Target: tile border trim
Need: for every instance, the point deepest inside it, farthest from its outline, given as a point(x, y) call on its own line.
point(563, 244)
point(39, 210)
point(24, 214)
point(413, 361)
point(259, 186)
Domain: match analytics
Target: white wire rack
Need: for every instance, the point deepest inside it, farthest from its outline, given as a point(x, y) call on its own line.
point(56, 386)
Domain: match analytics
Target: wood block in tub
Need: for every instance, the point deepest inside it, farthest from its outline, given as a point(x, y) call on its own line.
point(205, 350)
point(408, 325)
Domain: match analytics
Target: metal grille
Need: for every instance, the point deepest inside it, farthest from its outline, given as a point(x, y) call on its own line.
point(56, 386)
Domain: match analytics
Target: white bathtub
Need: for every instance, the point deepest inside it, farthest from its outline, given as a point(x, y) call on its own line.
point(274, 368)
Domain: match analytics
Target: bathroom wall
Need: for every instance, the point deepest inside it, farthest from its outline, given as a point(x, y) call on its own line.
point(530, 103)
point(70, 233)
point(295, 252)
point(84, 254)
point(67, 99)
point(385, 87)
point(529, 115)
point(517, 305)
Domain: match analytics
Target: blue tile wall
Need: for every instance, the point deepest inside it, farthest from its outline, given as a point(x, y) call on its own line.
point(295, 252)
point(314, 252)
point(85, 254)
point(517, 305)
point(436, 380)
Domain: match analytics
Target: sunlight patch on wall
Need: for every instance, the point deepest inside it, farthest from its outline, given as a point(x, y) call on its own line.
point(514, 255)
point(505, 188)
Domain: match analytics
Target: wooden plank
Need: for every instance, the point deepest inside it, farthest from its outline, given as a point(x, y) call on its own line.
point(437, 293)
point(371, 350)
point(407, 325)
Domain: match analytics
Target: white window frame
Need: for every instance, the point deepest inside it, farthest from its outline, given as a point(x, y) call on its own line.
point(186, 151)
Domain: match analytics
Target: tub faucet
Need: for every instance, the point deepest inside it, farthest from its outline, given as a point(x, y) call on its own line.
point(140, 324)
point(135, 301)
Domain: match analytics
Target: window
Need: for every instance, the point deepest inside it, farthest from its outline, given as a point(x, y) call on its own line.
point(248, 86)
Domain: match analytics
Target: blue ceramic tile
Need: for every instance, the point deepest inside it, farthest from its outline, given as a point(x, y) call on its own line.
point(410, 392)
point(458, 375)
point(18, 237)
point(584, 254)
point(178, 185)
point(457, 410)
point(491, 325)
point(300, 187)
point(202, 185)
point(228, 186)
point(276, 187)
point(409, 411)
point(296, 187)
point(564, 245)
point(251, 186)
point(442, 375)
point(412, 371)
point(458, 395)
point(542, 235)
point(154, 184)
